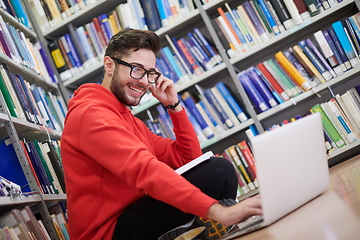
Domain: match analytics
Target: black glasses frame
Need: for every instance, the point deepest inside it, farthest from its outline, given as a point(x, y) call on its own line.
point(118, 61)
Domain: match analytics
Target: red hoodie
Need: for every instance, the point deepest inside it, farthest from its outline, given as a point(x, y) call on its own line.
point(111, 159)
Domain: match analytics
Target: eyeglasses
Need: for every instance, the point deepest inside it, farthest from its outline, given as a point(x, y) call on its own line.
point(138, 72)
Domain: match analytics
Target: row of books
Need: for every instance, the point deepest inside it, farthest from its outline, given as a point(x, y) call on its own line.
point(211, 112)
point(242, 159)
point(341, 119)
point(21, 223)
point(303, 66)
point(45, 163)
point(30, 102)
point(16, 9)
point(49, 13)
point(189, 56)
point(16, 46)
point(256, 21)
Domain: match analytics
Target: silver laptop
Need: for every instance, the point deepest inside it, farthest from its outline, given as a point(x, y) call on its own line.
point(292, 169)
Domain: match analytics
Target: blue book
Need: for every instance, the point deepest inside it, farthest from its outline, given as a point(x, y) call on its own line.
point(210, 116)
point(74, 53)
point(207, 45)
point(246, 32)
point(269, 86)
point(190, 104)
point(196, 54)
point(162, 13)
point(182, 55)
point(151, 14)
point(104, 21)
point(10, 167)
point(171, 58)
point(165, 118)
point(235, 107)
point(321, 57)
point(43, 110)
point(339, 47)
point(334, 50)
point(345, 43)
point(314, 59)
point(255, 21)
point(261, 87)
point(268, 16)
point(165, 67)
point(139, 14)
point(207, 58)
point(237, 30)
point(81, 35)
point(351, 34)
point(20, 13)
point(299, 67)
point(28, 95)
point(224, 118)
point(252, 92)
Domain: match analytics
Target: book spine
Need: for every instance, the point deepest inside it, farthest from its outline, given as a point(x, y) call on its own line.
point(244, 147)
point(293, 71)
point(261, 87)
point(250, 11)
point(189, 102)
point(321, 57)
point(269, 17)
point(252, 92)
point(151, 14)
point(220, 111)
point(312, 7)
point(282, 13)
point(231, 101)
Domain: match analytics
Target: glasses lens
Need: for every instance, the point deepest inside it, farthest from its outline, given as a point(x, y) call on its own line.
point(153, 77)
point(137, 72)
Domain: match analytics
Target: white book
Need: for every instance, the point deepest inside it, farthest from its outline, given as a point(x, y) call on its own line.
point(225, 105)
point(206, 156)
point(353, 109)
point(347, 109)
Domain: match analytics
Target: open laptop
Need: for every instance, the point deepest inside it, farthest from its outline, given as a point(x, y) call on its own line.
point(292, 169)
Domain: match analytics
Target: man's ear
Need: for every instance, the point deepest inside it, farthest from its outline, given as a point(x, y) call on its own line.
point(109, 65)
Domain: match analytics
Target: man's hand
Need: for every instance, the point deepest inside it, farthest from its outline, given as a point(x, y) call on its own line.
point(165, 91)
point(236, 213)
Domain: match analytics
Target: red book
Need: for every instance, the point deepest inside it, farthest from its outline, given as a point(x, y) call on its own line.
point(248, 155)
point(100, 34)
point(273, 81)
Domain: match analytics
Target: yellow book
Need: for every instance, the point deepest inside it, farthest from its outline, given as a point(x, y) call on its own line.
point(235, 157)
point(114, 27)
point(297, 49)
point(292, 71)
point(54, 10)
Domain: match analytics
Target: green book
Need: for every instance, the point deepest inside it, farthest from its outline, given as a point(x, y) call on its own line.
point(292, 91)
point(8, 99)
point(328, 126)
point(262, 15)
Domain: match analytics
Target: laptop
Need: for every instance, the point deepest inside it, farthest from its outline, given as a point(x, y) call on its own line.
point(292, 169)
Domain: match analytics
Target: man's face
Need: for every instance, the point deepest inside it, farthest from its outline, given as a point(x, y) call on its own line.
point(128, 90)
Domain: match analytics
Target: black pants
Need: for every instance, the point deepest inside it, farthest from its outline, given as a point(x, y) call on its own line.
point(149, 218)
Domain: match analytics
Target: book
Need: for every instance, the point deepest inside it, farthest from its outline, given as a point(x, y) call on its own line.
point(151, 14)
point(239, 164)
point(266, 82)
point(294, 12)
point(236, 108)
point(328, 126)
point(262, 19)
point(344, 59)
point(314, 59)
point(269, 17)
point(302, 8)
point(293, 71)
point(272, 81)
point(253, 18)
point(351, 35)
point(328, 52)
point(59, 61)
point(204, 157)
point(346, 109)
point(261, 87)
point(244, 147)
point(283, 13)
point(349, 103)
point(225, 106)
point(252, 92)
point(20, 12)
point(345, 43)
point(190, 103)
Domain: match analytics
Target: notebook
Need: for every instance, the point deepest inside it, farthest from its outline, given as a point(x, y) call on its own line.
point(292, 169)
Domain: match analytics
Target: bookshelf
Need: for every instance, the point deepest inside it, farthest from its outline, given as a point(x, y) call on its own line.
point(15, 129)
point(226, 70)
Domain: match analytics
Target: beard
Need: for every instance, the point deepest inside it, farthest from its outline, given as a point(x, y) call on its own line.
point(118, 88)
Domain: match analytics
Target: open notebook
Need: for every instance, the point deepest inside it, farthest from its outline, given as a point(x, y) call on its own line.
point(292, 169)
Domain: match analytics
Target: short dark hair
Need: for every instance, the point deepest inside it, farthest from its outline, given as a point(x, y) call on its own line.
point(130, 39)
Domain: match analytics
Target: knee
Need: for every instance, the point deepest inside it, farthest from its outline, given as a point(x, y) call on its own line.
point(223, 167)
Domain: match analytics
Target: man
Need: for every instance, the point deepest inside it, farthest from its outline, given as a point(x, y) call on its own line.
point(119, 175)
